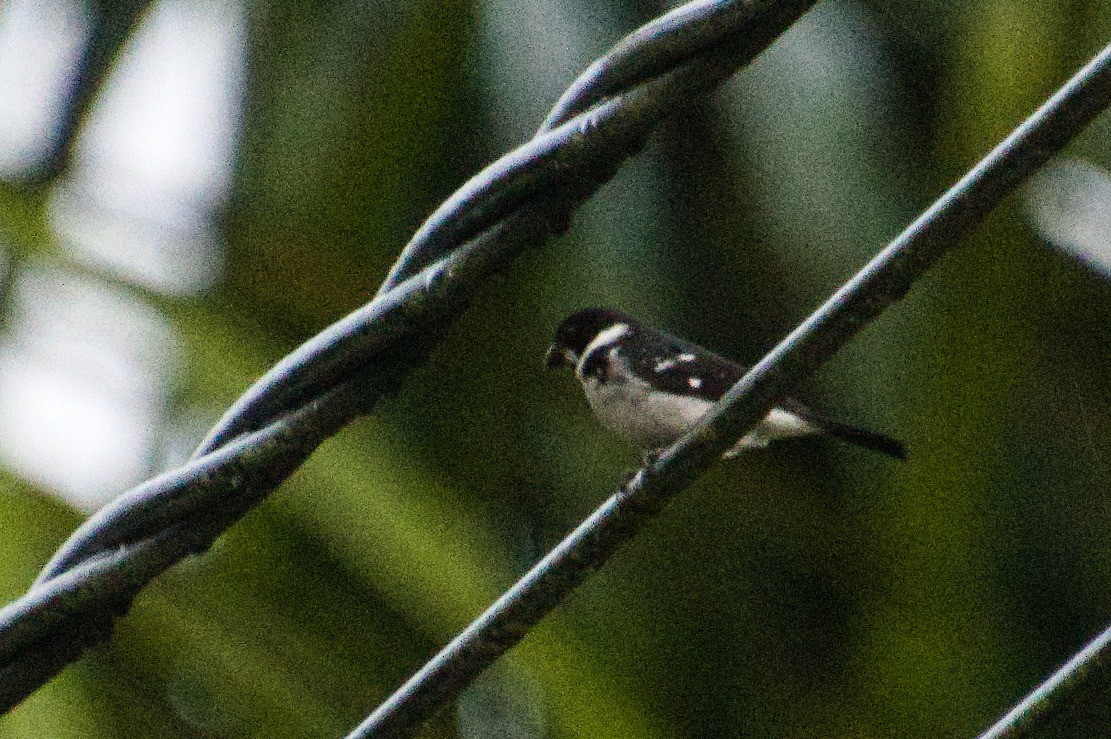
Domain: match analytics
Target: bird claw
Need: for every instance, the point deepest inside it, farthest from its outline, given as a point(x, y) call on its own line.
point(648, 458)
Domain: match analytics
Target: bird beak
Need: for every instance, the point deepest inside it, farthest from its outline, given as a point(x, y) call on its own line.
point(554, 357)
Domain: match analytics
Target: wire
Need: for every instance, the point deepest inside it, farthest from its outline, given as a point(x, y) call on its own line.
point(513, 204)
point(878, 285)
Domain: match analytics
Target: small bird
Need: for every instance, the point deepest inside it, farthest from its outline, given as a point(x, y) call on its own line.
point(652, 388)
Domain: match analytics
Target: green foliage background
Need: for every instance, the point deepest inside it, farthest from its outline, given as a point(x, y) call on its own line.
point(809, 591)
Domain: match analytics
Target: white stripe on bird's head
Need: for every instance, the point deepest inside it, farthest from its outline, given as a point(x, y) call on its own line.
point(605, 337)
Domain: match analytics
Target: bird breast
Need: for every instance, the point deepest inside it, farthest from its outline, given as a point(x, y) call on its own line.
point(629, 406)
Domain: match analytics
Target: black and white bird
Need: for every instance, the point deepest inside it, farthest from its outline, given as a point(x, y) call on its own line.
point(652, 388)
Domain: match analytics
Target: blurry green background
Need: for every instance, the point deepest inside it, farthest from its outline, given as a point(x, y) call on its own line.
point(247, 171)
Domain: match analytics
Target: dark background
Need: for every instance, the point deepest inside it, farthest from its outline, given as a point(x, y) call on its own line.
point(811, 590)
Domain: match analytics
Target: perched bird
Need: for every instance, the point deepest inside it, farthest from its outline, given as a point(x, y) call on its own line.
point(652, 388)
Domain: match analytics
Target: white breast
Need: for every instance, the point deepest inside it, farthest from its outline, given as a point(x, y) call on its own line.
point(627, 406)
point(653, 420)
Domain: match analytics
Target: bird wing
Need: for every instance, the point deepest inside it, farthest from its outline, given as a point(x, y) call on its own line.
point(681, 368)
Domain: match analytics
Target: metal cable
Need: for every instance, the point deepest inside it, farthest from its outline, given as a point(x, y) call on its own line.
point(882, 282)
point(515, 203)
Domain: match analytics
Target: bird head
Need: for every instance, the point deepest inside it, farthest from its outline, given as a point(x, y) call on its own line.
point(576, 332)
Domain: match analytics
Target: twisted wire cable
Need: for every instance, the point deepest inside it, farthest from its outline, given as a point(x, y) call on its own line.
point(517, 202)
point(882, 282)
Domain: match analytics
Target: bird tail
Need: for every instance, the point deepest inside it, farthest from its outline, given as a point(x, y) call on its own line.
point(861, 437)
point(853, 434)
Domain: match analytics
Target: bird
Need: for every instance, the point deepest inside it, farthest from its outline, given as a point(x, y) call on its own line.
point(652, 388)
